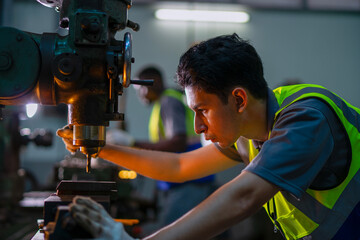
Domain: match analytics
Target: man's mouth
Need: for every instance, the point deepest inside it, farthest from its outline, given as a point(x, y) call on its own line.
point(210, 139)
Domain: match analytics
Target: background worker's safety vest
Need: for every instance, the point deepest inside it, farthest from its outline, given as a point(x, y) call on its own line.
point(157, 132)
point(319, 213)
point(156, 126)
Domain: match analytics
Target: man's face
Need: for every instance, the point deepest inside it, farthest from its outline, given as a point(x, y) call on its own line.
point(149, 94)
point(218, 121)
point(144, 94)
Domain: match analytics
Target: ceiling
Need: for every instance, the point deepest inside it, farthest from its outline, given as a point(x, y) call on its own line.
point(315, 5)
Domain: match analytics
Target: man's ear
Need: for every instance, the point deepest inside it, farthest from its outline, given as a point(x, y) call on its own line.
point(241, 98)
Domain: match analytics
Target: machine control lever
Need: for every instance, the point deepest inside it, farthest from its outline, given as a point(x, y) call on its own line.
point(144, 82)
point(133, 25)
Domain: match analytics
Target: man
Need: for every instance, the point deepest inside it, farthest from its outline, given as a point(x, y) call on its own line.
point(171, 125)
point(300, 143)
point(171, 129)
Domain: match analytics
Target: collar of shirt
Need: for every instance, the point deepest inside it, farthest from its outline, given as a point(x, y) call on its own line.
point(272, 107)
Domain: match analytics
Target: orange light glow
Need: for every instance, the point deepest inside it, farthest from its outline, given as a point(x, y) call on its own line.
point(127, 174)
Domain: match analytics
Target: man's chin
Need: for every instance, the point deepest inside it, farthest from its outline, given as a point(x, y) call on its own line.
point(145, 102)
point(223, 145)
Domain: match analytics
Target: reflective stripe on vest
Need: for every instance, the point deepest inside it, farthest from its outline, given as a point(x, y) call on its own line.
point(156, 126)
point(319, 213)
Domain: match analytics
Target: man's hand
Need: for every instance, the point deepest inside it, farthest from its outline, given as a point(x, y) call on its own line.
point(94, 219)
point(119, 137)
point(66, 133)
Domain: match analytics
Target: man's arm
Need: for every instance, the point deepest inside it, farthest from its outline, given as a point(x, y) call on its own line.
point(176, 143)
point(167, 166)
point(173, 167)
point(235, 201)
point(230, 204)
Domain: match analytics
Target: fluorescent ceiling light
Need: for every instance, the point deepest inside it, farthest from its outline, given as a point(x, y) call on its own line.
point(202, 15)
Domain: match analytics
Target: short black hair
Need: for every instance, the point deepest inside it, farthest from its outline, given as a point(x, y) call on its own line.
point(150, 71)
point(220, 64)
point(154, 73)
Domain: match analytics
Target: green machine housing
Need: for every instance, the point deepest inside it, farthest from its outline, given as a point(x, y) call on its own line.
point(87, 69)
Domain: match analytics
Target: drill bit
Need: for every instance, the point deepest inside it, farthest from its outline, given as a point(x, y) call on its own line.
point(88, 164)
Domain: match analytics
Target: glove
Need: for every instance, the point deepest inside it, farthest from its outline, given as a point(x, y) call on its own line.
point(119, 137)
point(94, 219)
point(66, 133)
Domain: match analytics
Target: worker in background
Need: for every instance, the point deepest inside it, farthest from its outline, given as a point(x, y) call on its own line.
point(171, 129)
point(301, 144)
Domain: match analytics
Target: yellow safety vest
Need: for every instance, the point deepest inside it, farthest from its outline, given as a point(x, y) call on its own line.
point(156, 126)
point(319, 213)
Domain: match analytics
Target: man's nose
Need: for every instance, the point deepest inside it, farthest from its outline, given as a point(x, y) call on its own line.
point(199, 126)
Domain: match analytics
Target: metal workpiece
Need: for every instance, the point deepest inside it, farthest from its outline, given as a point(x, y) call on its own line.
point(57, 222)
point(86, 188)
point(87, 69)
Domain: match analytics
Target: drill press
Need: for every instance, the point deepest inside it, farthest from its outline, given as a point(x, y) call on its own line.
point(86, 69)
